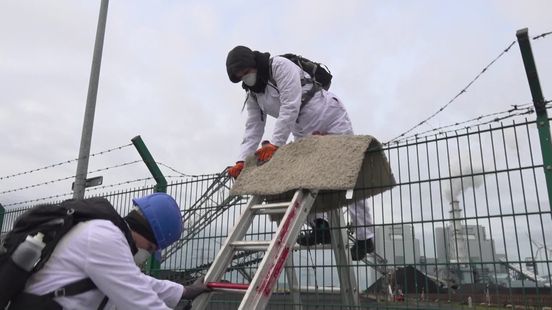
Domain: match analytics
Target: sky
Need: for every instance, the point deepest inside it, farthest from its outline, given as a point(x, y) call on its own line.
point(163, 74)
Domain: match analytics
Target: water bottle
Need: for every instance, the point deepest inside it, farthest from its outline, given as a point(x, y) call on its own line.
point(27, 254)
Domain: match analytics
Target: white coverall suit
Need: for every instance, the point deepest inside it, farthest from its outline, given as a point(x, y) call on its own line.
point(324, 113)
point(97, 249)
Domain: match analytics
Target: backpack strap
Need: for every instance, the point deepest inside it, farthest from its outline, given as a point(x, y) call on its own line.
point(103, 303)
point(31, 301)
point(252, 95)
point(26, 301)
point(305, 98)
point(72, 289)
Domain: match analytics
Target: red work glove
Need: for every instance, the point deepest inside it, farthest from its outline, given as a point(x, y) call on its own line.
point(265, 153)
point(235, 170)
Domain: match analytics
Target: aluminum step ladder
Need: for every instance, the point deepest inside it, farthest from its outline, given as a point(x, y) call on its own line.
point(277, 256)
point(258, 292)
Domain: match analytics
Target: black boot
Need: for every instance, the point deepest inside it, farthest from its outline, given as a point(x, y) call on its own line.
point(361, 248)
point(320, 234)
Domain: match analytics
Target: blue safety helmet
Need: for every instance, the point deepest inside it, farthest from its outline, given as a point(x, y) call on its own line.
point(163, 215)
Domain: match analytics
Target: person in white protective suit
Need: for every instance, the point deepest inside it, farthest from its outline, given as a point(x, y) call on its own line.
point(278, 87)
point(98, 250)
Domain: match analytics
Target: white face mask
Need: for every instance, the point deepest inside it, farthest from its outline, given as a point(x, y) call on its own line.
point(141, 256)
point(250, 79)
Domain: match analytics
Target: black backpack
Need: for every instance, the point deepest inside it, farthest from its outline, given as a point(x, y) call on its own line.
point(320, 76)
point(54, 221)
point(319, 73)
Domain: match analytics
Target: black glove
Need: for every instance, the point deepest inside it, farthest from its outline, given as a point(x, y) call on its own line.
point(196, 289)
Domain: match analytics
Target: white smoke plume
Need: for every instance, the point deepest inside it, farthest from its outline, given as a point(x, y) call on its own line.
point(454, 188)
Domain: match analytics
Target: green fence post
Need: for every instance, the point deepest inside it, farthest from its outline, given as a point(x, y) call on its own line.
point(153, 265)
point(161, 185)
point(2, 212)
point(540, 106)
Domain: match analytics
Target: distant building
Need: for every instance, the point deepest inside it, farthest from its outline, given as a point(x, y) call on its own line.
point(398, 245)
point(479, 247)
point(474, 263)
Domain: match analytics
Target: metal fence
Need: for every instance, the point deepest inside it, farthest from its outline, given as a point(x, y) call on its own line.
point(469, 219)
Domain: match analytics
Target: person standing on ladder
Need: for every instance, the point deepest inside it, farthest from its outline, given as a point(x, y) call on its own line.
point(278, 87)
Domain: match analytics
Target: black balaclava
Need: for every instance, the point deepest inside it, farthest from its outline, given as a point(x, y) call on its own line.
point(241, 57)
point(139, 224)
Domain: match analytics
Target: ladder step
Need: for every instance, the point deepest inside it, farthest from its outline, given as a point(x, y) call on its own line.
point(227, 286)
point(250, 245)
point(261, 245)
point(297, 247)
point(271, 208)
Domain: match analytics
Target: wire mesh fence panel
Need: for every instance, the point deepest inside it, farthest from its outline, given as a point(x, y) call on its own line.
point(466, 219)
point(468, 222)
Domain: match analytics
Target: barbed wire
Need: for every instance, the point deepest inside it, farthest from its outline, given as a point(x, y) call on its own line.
point(63, 162)
point(131, 181)
point(439, 130)
point(180, 177)
point(510, 114)
point(89, 189)
point(118, 184)
point(464, 90)
point(180, 173)
point(172, 169)
point(542, 35)
point(66, 178)
point(38, 199)
point(173, 176)
point(494, 120)
point(71, 193)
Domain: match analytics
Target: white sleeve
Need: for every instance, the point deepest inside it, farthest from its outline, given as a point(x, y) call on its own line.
point(254, 128)
point(287, 76)
point(111, 267)
point(170, 292)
